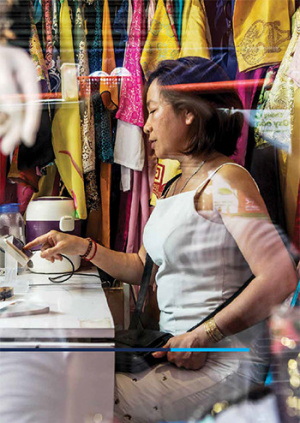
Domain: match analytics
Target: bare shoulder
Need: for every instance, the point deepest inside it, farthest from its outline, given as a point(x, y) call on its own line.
point(238, 180)
point(232, 188)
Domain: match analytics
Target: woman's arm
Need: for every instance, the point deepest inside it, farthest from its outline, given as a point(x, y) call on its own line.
point(122, 266)
point(262, 248)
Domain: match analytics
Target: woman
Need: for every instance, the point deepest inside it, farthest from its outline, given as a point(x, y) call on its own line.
point(206, 235)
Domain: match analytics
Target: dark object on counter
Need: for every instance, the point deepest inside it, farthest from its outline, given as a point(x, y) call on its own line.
point(6, 292)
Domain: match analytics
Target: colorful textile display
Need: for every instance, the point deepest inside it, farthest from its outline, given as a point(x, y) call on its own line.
point(281, 108)
point(66, 131)
point(261, 32)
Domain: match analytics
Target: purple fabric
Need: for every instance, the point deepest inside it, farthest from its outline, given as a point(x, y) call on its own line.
point(247, 96)
point(123, 224)
point(131, 102)
point(140, 210)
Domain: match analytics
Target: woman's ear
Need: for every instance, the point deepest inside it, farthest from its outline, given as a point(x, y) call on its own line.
point(189, 117)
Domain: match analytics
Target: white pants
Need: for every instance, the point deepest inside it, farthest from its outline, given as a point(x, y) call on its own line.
point(166, 393)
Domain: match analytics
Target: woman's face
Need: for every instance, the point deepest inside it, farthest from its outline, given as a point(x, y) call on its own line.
point(167, 130)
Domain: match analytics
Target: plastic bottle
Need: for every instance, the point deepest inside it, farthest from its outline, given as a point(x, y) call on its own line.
point(11, 223)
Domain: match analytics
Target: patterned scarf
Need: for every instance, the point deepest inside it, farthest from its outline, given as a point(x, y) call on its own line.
point(261, 31)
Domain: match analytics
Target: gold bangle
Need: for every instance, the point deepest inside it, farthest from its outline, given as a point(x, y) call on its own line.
point(213, 332)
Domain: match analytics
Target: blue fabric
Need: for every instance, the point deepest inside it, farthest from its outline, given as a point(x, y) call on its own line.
point(225, 55)
point(178, 9)
point(95, 54)
point(37, 11)
point(120, 32)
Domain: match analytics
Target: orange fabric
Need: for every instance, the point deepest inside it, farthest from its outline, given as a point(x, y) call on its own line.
point(109, 90)
point(105, 187)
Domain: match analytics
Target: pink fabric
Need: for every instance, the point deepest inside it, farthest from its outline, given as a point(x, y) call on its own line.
point(131, 104)
point(247, 96)
point(170, 11)
point(140, 210)
point(24, 193)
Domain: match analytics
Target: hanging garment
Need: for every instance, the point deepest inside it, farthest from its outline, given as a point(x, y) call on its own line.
point(261, 32)
point(281, 97)
point(120, 32)
point(150, 13)
point(48, 183)
point(86, 110)
point(123, 222)
point(86, 116)
point(165, 170)
point(284, 130)
point(265, 171)
point(221, 26)
point(178, 9)
point(139, 211)
point(262, 101)
point(48, 33)
point(54, 70)
point(94, 25)
point(129, 17)
point(27, 177)
point(170, 11)
point(41, 153)
point(131, 101)
point(161, 43)
point(194, 40)
point(129, 147)
point(108, 90)
point(37, 56)
point(247, 96)
point(105, 186)
point(66, 131)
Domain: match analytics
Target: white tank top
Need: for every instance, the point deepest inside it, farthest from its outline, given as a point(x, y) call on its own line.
point(200, 264)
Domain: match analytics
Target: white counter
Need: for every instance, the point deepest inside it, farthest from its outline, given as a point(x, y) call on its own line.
point(38, 385)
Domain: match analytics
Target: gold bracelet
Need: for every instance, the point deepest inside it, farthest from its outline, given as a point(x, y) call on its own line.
point(213, 332)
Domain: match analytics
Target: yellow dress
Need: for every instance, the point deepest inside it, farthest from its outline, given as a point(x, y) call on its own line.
point(66, 132)
point(161, 43)
point(261, 31)
point(195, 36)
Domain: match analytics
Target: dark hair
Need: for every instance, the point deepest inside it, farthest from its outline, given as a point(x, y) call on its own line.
point(213, 129)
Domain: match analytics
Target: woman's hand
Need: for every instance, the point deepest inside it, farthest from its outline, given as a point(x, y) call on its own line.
point(55, 243)
point(188, 360)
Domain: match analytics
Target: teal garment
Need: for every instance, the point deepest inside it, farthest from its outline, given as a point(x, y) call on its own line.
point(178, 9)
point(37, 11)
